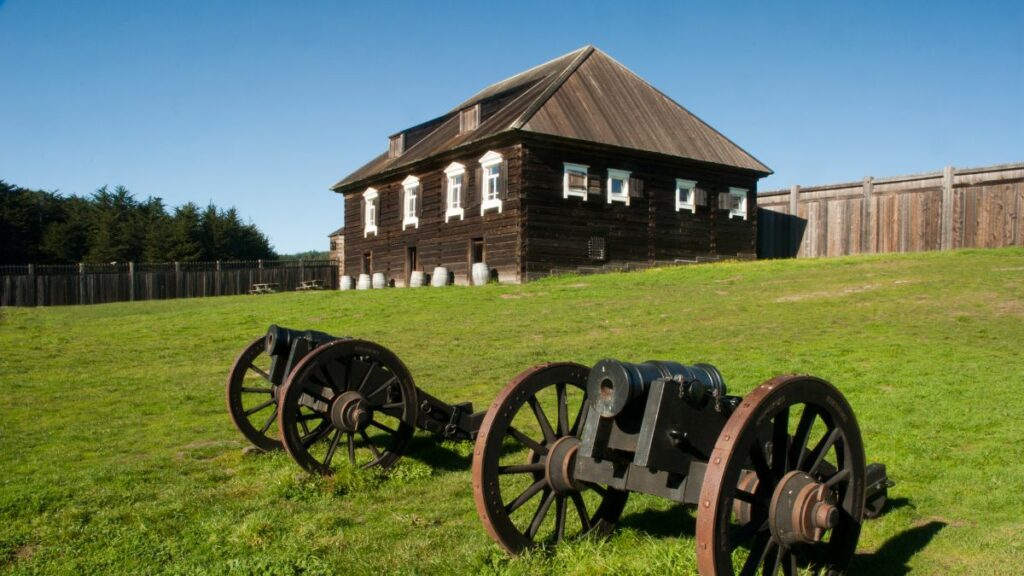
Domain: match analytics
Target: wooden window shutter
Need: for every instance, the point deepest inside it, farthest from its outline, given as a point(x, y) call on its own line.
point(593, 183)
point(724, 201)
point(402, 198)
point(636, 187)
point(700, 197)
point(503, 181)
point(478, 185)
point(419, 200)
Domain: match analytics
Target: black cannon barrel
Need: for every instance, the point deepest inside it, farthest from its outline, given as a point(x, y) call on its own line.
point(279, 339)
point(614, 384)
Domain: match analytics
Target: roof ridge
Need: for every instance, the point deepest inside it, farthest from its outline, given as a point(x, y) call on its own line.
point(548, 92)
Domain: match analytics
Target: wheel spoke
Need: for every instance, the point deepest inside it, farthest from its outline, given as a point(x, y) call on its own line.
point(747, 497)
point(542, 419)
point(541, 513)
point(262, 406)
point(269, 421)
point(764, 473)
point(563, 409)
point(799, 442)
point(527, 441)
point(333, 447)
point(758, 551)
point(392, 406)
point(254, 390)
point(597, 488)
point(376, 424)
point(521, 468)
point(822, 448)
point(580, 418)
point(366, 377)
point(747, 531)
point(780, 442)
point(525, 496)
point(259, 371)
point(351, 448)
point(838, 477)
point(560, 518)
point(581, 509)
point(366, 438)
point(382, 387)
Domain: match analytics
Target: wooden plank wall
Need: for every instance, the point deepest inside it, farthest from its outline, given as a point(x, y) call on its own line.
point(649, 231)
point(438, 243)
point(65, 284)
point(954, 208)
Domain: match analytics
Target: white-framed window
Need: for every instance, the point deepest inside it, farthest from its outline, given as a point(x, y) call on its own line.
point(410, 202)
point(574, 180)
point(455, 176)
point(370, 212)
point(618, 186)
point(686, 192)
point(738, 202)
point(492, 181)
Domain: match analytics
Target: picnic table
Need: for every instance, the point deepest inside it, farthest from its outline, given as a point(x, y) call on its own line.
point(265, 288)
point(311, 285)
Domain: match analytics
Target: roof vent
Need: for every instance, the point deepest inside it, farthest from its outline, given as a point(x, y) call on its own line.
point(396, 145)
point(469, 118)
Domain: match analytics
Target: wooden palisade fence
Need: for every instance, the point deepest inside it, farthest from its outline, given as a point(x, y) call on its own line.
point(61, 284)
point(955, 208)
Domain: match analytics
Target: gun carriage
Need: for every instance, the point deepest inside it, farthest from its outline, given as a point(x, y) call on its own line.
point(315, 395)
point(778, 477)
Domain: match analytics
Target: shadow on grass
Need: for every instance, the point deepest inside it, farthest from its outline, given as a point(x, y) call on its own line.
point(892, 557)
point(430, 451)
point(662, 523)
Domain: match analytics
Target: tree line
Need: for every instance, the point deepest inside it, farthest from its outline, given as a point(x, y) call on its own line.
point(39, 227)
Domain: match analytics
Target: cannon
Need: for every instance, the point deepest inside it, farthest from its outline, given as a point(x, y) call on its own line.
point(778, 477)
point(315, 394)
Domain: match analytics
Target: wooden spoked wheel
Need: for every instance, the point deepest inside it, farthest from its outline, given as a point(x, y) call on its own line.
point(364, 396)
point(784, 489)
point(523, 463)
point(252, 397)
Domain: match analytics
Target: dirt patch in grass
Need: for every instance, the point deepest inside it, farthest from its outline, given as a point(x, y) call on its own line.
point(824, 294)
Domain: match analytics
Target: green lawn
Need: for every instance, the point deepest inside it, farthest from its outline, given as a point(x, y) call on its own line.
point(117, 455)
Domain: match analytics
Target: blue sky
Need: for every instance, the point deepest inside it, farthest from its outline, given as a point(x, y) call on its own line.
point(263, 105)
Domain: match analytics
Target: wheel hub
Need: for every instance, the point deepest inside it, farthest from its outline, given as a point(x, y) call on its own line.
point(802, 510)
point(559, 468)
point(350, 412)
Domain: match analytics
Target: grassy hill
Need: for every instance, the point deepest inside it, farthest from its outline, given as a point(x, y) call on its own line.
point(117, 456)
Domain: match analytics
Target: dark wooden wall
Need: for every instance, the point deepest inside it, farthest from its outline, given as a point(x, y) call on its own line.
point(955, 208)
point(649, 231)
point(438, 243)
point(64, 284)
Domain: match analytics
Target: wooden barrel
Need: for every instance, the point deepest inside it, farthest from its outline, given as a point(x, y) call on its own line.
point(346, 283)
point(481, 274)
point(379, 281)
point(364, 282)
point(417, 278)
point(439, 277)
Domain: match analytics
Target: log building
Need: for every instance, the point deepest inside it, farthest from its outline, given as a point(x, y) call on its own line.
point(575, 165)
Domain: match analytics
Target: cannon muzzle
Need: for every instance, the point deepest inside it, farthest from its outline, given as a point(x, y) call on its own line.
point(614, 385)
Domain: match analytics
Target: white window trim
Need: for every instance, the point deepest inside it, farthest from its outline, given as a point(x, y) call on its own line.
point(486, 161)
point(614, 174)
point(370, 225)
point(454, 169)
point(691, 202)
point(741, 211)
point(411, 183)
point(566, 191)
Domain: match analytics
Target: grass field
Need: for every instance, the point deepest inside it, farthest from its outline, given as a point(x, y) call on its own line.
point(117, 456)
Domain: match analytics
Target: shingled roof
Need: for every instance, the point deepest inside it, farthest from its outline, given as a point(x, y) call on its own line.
point(583, 95)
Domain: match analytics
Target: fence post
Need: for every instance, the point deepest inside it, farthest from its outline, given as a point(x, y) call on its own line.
point(33, 295)
point(131, 281)
point(177, 279)
point(259, 270)
point(946, 227)
point(216, 281)
point(867, 244)
point(81, 282)
point(794, 208)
